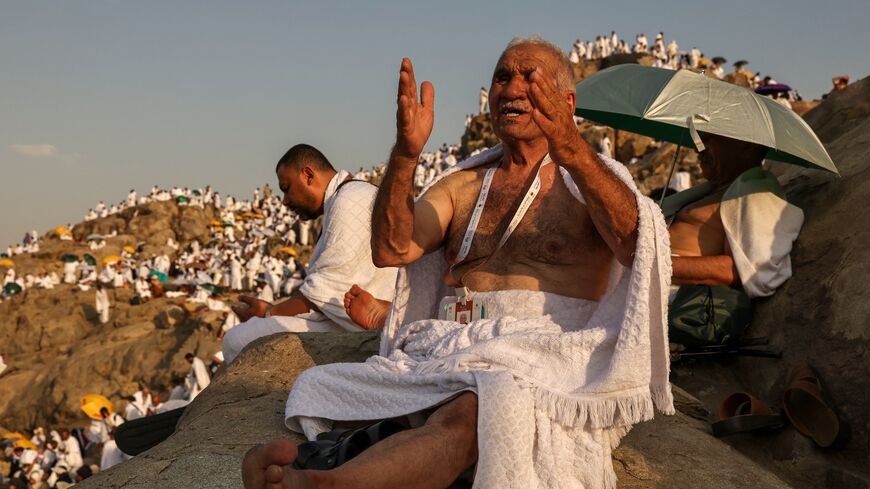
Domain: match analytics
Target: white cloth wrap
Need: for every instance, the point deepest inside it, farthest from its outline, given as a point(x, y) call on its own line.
point(559, 380)
point(342, 258)
point(761, 227)
point(343, 255)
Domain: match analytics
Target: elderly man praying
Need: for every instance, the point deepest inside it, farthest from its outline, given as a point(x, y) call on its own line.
point(528, 330)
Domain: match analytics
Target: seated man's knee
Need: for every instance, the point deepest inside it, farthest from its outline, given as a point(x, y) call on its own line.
point(459, 414)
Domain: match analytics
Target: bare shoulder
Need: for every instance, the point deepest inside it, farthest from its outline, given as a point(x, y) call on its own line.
point(456, 181)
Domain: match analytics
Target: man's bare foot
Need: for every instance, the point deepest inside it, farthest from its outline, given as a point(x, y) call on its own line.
point(364, 309)
point(270, 467)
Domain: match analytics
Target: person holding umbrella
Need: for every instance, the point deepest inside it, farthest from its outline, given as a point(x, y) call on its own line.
point(735, 231)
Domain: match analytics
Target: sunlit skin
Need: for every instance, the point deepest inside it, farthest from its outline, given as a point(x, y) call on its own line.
point(304, 190)
point(535, 118)
point(697, 234)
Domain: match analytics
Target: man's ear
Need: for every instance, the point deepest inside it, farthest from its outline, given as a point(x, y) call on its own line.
point(571, 98)
point(307, 174)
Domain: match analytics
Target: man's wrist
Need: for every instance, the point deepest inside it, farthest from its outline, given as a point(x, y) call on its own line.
point(403, 159)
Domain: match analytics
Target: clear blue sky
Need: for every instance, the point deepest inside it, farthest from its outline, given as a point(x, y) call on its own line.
point(98, 96)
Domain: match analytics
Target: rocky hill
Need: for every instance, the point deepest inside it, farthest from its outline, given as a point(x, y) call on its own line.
point(55, 346)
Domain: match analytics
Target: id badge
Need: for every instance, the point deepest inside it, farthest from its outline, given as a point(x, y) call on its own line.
point(463, 312)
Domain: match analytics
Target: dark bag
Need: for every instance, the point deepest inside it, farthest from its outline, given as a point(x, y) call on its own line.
point(704, 315)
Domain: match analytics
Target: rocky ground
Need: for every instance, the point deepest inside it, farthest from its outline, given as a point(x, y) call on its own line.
point(58, 351)
point(55, 347)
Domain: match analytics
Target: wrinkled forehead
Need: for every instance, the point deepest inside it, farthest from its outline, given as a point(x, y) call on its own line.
point(524, 59)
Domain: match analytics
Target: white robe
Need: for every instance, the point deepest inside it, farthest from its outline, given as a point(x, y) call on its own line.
point(102, 305)
point(559, 380)
point(342, 257)
point(197, 380)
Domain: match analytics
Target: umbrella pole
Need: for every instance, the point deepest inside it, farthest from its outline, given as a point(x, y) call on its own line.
point(670, 174)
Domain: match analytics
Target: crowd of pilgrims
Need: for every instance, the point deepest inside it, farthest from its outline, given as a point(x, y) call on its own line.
point(667, 54)
point(235, 258)
point(57, 459)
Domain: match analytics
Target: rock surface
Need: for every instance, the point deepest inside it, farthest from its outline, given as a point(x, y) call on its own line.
point(245, 407)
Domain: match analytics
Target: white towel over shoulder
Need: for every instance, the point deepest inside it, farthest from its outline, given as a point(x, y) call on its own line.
point(558, 381)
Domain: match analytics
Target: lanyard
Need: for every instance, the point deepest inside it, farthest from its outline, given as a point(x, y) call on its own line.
point(515, 221)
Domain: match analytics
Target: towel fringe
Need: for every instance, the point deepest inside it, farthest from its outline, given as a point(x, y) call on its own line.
point(599, 413)
point(663, 398)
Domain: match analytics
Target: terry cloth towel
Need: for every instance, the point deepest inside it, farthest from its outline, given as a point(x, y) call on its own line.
point(760, 225)
point(559, 380)
point(341, 258)
point(343, 255)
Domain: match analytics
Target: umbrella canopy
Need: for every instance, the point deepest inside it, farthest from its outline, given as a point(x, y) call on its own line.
point(6, 262)
point(676, 105)
point(182, 199)
point(214, 289)
point(215, 223)
point(740, 63)
point(94, 237)
point(62, 230)
point(197, 193)
point(12, 288)
point(773, 88)
point(13, 435)
point(130, 249)
point(69, 257)
point(290, 251)
point(90, 260)
point(162, 277)
point(111, 259)
point(719, 60)
point(92, 403)
point(24, 443)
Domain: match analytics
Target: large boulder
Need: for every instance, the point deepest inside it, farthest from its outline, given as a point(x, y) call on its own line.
point(820, 316)
point(245, 407)
point(57, 351)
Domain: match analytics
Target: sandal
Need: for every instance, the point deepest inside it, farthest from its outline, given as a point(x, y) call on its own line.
point(337, 447)
point(809, 411)
point(742, 413)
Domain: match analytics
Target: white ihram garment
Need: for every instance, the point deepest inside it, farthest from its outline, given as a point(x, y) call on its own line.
point(559, 380)
point(342, 257)
point(197, 380)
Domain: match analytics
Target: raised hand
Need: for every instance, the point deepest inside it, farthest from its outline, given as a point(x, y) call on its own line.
point(414, 118)
point(553, 113)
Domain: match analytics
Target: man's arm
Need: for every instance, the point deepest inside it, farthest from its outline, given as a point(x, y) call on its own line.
point(612, 205)
point(402, 232)
point(294, 305)
point(707, 270)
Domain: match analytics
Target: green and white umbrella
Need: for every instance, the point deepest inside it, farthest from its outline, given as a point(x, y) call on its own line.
point(90, 260)
point(676, 106)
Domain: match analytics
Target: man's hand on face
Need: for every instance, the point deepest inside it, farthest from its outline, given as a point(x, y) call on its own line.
point(414, 118)
point(255, 308)
point(554, 115)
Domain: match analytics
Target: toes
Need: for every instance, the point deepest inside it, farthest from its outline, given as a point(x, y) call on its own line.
point(355, 290)
point(274, 474)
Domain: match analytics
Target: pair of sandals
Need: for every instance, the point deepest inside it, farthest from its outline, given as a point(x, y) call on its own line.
point(805, 404)
point(336, 447)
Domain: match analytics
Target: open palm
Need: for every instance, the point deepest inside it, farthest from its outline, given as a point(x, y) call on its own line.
point(414, 117)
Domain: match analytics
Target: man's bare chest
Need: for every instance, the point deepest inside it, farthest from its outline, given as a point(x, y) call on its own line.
point(554, 228)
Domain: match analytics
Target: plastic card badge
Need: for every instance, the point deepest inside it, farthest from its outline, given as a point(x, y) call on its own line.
point(462, 310)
